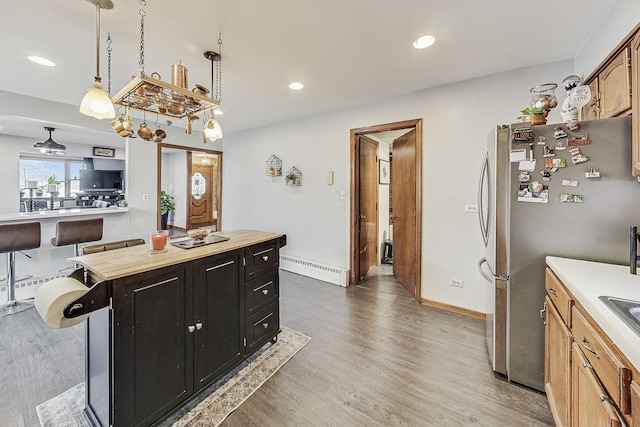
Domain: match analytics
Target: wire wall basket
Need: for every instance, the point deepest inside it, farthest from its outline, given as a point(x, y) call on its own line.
point(293, 177)
point(274, 166)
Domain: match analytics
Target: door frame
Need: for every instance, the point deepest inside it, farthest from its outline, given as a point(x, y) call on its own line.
point(354, 243)
point(189, 151)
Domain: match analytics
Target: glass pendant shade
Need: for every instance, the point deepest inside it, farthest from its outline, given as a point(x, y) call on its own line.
point(212, 129)
point(96, 103)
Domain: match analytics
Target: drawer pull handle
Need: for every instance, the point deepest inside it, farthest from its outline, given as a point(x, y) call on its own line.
point(586, 365)
point(198, 326)
point(191, 329)
point(265, 325)
point(265, 258)
point(265, 291)
point(585, 344)
point(553, 292)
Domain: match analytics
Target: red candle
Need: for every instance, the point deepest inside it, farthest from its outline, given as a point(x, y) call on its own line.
point(158, 240)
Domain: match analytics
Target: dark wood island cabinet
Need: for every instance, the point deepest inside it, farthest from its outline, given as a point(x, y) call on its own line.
point(176, 322)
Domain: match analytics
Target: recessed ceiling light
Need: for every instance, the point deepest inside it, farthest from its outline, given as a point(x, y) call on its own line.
point(218, 112)
point(424, 41)
point(41, 61)
point(296, 86)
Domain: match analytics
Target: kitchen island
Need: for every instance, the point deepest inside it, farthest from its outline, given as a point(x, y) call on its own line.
point(174, 322)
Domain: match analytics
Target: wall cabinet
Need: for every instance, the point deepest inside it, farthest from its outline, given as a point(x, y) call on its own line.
point(586, 380)
point(611, 88)
point(172, 331)
point(635, 87)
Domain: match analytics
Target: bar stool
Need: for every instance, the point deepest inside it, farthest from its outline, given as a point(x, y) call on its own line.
point(74, 232)
point(15, 237)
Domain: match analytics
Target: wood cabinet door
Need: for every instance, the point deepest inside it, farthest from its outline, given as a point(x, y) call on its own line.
point(635, 101)
point(557, 362)
point(218, 316)
point(590, 403)
point(635, 404)
point(615, 86)
point(153, 359)
point(591, 111)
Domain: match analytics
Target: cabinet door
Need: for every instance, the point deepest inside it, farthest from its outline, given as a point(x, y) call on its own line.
point(557, 362)
point(635, 404)
point(591, 111)
point(218, 316)
point(615, 86)
point(590, 403)
point(153, 359)
point(635, 101)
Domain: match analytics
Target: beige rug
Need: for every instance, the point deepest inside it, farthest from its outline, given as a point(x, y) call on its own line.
point(214, 404)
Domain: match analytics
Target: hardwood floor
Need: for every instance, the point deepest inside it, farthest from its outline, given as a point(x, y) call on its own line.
point(376, 358)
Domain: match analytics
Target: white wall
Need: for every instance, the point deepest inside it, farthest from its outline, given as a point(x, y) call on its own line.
point(383, 203)
point(174, 173)
point(458, 119)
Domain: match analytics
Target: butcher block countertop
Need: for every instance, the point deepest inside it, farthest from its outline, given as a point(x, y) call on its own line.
point(589, 280)
point(119, 263)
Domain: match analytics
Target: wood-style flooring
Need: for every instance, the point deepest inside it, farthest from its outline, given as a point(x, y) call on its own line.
point(376, 358)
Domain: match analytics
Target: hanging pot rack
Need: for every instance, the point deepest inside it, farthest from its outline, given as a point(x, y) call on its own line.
point(148, 94)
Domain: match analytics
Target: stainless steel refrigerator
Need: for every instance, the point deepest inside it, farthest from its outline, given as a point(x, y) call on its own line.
point(525, 218)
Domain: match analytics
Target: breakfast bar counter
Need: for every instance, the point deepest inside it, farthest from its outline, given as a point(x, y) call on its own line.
point(174, 322)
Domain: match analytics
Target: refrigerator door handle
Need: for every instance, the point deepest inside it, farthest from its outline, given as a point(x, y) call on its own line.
point(489, 276)
point(484, 178)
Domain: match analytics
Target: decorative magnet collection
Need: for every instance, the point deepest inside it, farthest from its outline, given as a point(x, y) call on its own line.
point(538, 192)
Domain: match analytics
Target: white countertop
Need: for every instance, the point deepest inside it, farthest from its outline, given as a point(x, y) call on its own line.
point(587, 281)
point(58, 213)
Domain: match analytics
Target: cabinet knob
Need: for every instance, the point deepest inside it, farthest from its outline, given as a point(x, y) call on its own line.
point(198, 326)
point(191, 329)
point(265, 291)
point(265, 325)
point(265, 258)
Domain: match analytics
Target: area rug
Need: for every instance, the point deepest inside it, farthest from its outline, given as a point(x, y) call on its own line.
point(214, 404)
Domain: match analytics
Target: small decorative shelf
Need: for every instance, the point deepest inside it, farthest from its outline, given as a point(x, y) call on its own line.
point(293, 177)
point(274, 166)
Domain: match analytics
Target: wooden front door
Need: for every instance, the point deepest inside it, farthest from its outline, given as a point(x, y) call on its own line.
point(403, 190)
point(368, 216)
point(201, 195)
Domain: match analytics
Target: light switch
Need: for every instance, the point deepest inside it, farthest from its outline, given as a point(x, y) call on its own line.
point(330, 178)
point(343, 194)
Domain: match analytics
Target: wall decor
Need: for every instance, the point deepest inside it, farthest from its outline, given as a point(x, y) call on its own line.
point(293, 177)
point(385, 173)
point(104, 152)
point(274, 166)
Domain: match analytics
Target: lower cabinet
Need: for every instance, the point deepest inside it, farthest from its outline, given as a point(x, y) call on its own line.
point(590, 403)
point(173, 331)
point(557, 375)
point(635, 404)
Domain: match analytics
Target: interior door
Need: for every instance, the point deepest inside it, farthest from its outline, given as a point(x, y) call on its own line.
point(201, 195)
point(403, 190)
point(368, 206)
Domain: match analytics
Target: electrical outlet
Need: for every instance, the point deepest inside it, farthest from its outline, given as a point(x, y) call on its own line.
point(145, 197)
point(471, 208)
point(455, 282)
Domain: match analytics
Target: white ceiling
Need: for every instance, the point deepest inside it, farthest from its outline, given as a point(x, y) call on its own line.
point(346, 52)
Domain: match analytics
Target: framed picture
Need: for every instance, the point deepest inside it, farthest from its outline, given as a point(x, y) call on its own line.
point(104, 152)
point(385, 174)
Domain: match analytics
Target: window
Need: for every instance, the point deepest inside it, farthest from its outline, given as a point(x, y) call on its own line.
point(64, 172)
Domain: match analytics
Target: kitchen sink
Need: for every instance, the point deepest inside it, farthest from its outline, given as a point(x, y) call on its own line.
point(625, 309)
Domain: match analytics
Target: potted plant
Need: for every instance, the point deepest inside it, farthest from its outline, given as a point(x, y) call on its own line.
point(167, 204)
point(533, 115)
point(52, 184)
point(291, 178)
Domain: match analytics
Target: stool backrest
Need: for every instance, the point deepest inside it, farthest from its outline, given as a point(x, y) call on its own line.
point(111, 246)
point(78, 231)
point(19, 236)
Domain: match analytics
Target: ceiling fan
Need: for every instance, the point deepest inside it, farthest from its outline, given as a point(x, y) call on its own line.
point(49, 146)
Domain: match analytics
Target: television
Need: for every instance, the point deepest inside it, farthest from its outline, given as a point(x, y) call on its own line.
point(94, 179)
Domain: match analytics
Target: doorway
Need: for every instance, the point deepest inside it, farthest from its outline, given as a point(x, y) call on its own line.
point(400, 170)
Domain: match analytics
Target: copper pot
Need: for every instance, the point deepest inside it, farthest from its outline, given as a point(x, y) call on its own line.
point(145, 132)
point(159, 135)
point(179, 75)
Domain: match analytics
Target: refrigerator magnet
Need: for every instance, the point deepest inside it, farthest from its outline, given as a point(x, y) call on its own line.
point(571, 198)
point(559, 133)
point(524, 176)
point(548, 151)
point(546, 175)
point(555, 162)
point(578, 140)
point(534, 192)
point(542, 140)
point(577, 157)
point(561, 145)
point(592, 173)
point(518, 155)
point(569, 183)
point(527, 165)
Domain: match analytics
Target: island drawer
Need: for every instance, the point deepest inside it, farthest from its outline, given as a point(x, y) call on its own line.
point(260, 291)
point(262, 326)
point(260, 258)
point(560, 296)
point(615, 377)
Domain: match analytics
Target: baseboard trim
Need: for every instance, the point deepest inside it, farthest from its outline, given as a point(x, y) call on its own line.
point(454, 309)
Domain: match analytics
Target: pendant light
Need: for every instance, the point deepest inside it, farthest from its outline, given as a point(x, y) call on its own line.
point(211, 128)
point(49, 146)
point(96, 103)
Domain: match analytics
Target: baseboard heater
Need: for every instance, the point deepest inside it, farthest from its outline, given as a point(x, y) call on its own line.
point(326, 273)
point(27, 288)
